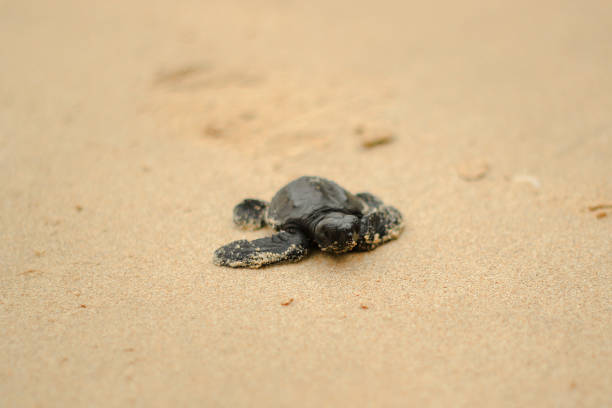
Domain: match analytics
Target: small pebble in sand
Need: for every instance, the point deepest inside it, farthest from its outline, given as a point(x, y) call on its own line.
point(83, 306)
point(373, 136)
point(79, 208)
point(602, 215)
point(473, 170)
point(364, 307)
point(212, 130)
point(287, 303)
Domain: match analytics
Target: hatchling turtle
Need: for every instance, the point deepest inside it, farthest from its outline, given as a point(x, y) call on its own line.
point(310, 212)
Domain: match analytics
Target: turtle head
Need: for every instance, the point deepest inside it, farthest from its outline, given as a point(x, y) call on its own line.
point(337, 232)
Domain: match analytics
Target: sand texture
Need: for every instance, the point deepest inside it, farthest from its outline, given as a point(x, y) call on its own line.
point(130, 129)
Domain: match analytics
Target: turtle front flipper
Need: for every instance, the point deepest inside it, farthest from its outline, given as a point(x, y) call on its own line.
point(371, 200)
point(379, 226)
point(282, 247)
point(250, 214)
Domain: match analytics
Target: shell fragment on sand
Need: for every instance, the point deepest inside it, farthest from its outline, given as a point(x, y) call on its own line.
point(527, 179)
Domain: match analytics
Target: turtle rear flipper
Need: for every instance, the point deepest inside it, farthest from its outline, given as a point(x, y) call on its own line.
point(282, 247)
point(250, 214)
point(379, 226)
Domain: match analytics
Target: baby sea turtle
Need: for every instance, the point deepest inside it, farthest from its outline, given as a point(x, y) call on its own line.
point(310, 212)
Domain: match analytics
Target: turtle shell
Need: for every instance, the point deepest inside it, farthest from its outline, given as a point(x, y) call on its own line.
point(304, 200)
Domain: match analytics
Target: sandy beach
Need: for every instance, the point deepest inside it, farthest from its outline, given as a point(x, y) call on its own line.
point(129, 130)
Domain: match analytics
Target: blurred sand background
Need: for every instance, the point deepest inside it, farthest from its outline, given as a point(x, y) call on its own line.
point(129, 130)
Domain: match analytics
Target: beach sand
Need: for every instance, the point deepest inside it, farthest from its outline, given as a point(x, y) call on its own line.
point(129, 130)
